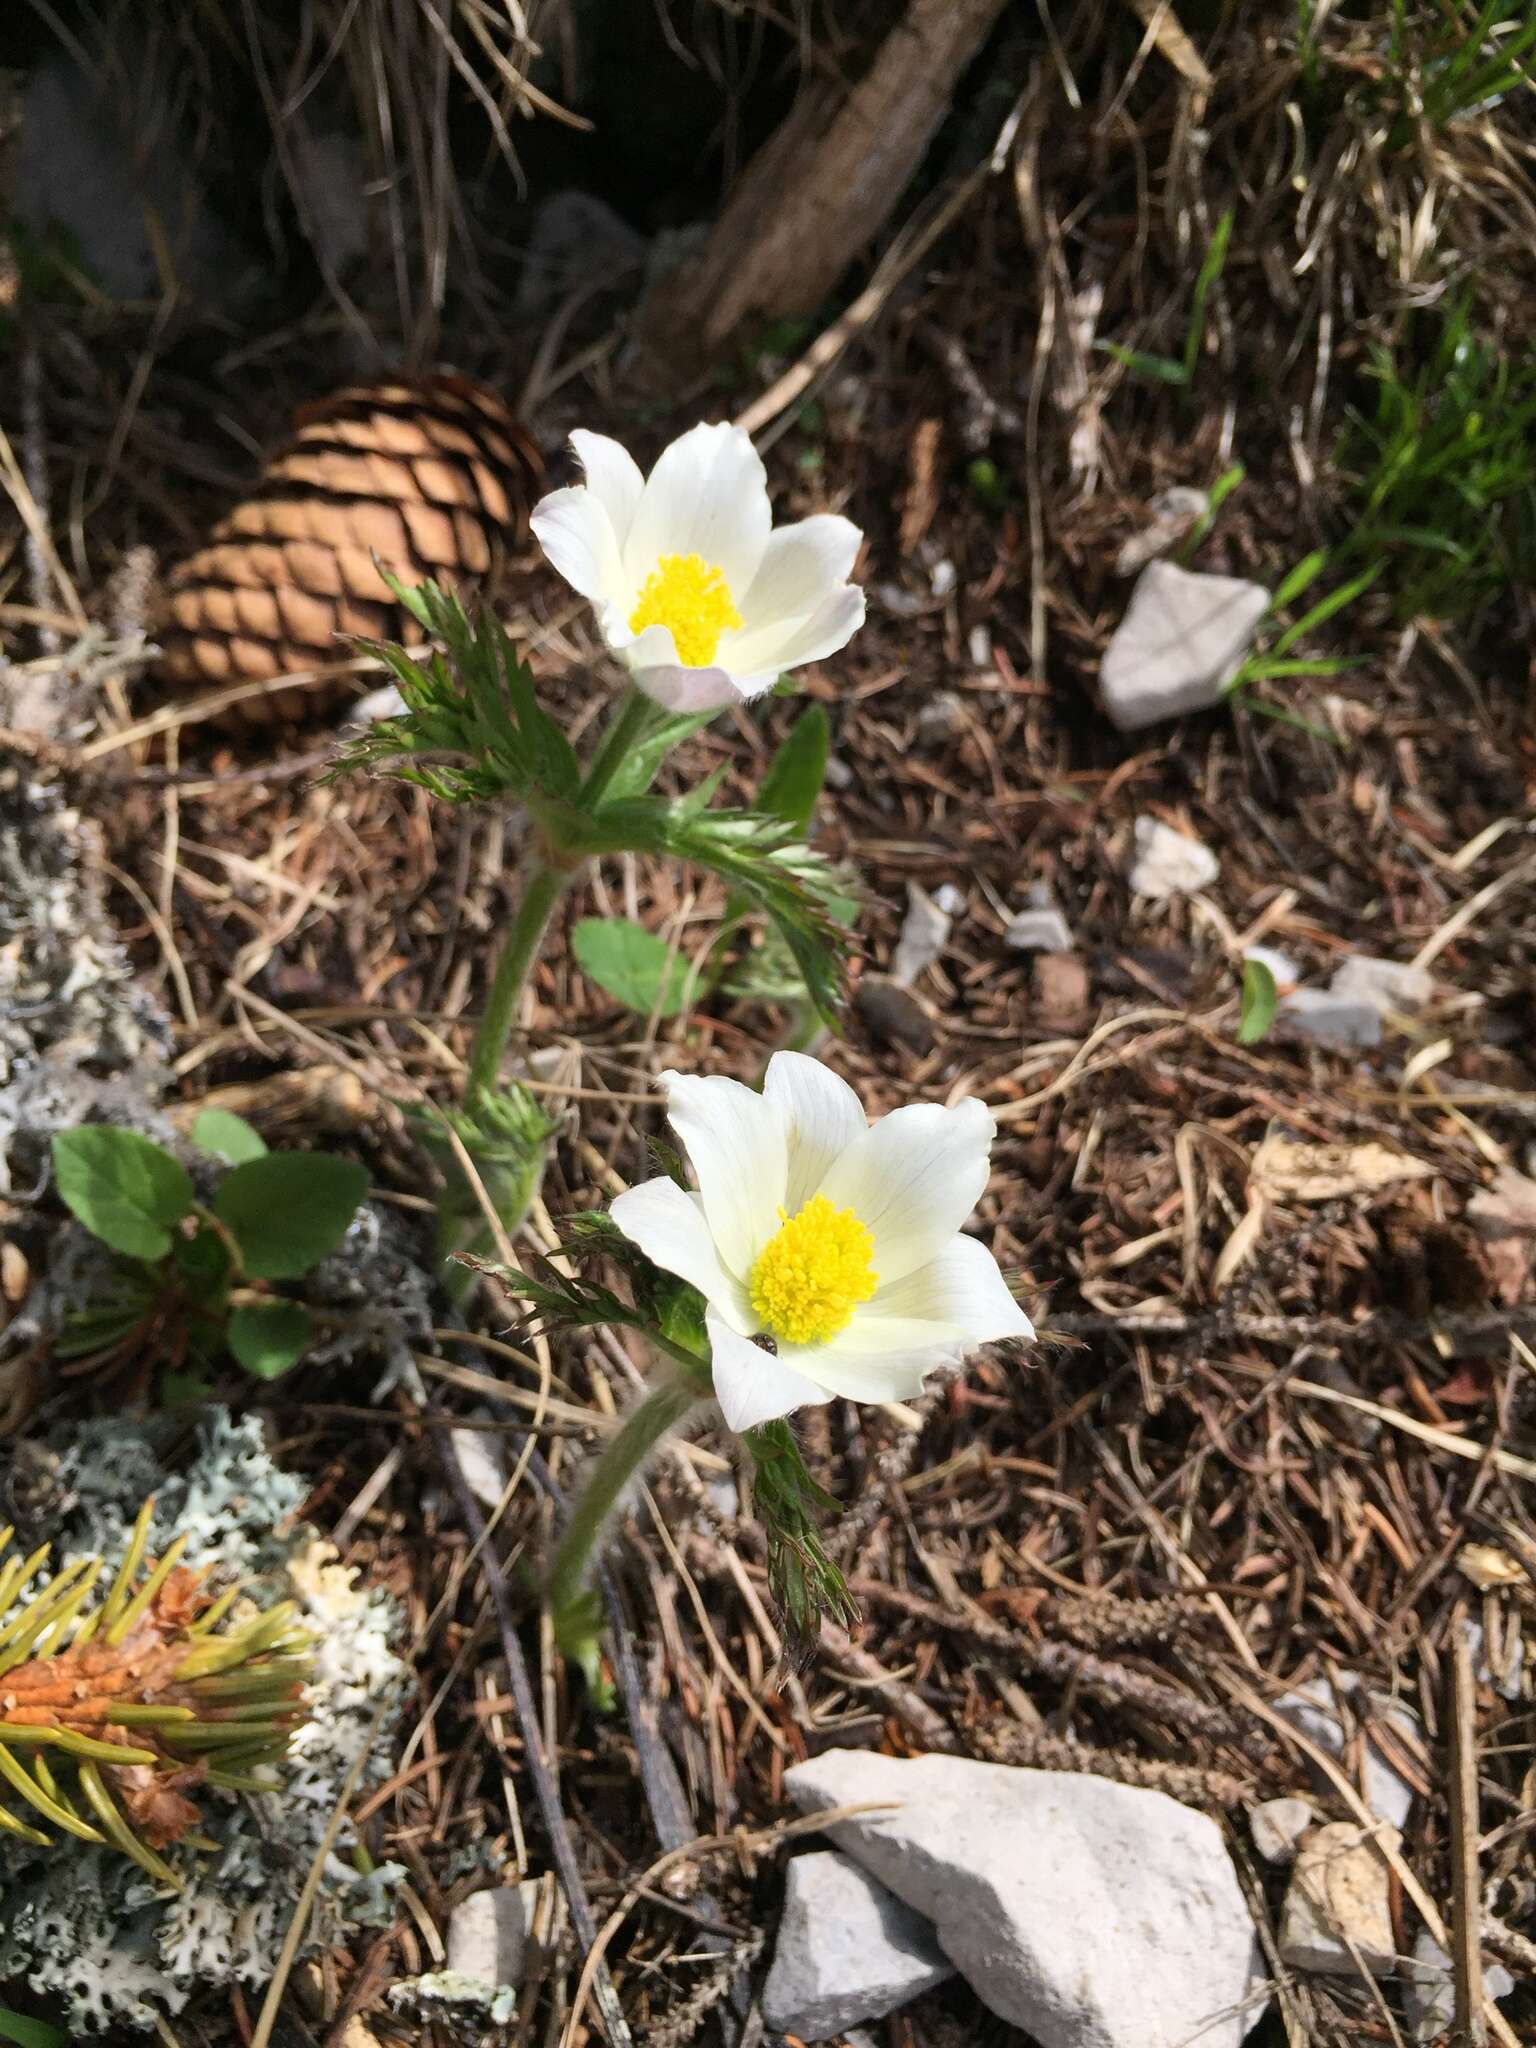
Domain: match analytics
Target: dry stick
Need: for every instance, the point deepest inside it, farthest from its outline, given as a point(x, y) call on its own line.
point(1065, 1665)
point(546, 1791)
point(1466, 1909)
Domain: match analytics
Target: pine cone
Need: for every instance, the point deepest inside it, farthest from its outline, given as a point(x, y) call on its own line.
point(424, 477)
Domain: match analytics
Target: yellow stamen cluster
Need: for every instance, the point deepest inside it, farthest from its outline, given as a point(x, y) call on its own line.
point(813, 1273)
point(692, 597)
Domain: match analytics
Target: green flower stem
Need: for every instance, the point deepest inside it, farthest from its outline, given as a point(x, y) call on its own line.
point(545, 888)
point(635, 714)
point(547, 884)
point(658, 1414)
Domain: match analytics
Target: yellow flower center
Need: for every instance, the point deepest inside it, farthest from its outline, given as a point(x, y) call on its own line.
point(692, 597)
point(813, 1273)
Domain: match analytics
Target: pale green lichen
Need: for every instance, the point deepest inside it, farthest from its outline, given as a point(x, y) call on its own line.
point(88, 1931)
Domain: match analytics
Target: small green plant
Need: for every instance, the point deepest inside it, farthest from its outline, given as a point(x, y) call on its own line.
point(194, 1279)
point(648, 976)
point(1445, 468)
point(1260, 1001)
point(1466, 64)
point(114, 1709)
point(1180, 370)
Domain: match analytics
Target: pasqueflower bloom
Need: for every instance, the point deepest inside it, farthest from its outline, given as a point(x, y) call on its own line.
point(693, 587)
point(828, 1250)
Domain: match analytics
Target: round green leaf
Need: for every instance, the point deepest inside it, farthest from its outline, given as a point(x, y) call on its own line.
point(289, 1210)
point(632, 965)
point(124, 1188)
point(227, 1136)
point(267, 1337)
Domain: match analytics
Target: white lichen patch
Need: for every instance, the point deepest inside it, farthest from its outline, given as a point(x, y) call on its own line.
point(85, 1928)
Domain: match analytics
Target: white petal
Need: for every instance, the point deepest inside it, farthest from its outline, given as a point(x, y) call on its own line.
point(707, 496)
point(801, 566)
point(781, 644)
point(613, 477)
point(913, 1179)
point(822, 1117)
point(573, 528)
point(735, 1141)
point(652, 661)
point(668, 1225)
point(959, 1300)
point(751, 1384)
point(874, 1375)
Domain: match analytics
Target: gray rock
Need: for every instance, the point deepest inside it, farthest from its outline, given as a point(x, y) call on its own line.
point(1346, 1022)
point(1170, 863)
point(1337, 1917)
point(1183, 638)
point(1429, 1989)
point(1506, 1681)
point(1174, 511)
point(848, 1950)
point(479, 1453)
point(940, 717)
point(1041, 928)
point(1277, 1826)
point(1385, 984)
point(1093, 1915)
point(488, 1934)
point(100, 159)
point(1377, 1725)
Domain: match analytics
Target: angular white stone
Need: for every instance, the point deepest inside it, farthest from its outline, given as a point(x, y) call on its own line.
point(1183, 638)
point(1314, 1709)
point(848, 1950)
point(1337, 1917)
point(924, 934)
point(1429, 1993)
point(488, 1934)
point(1039, 931)
point(1093, 1915)
point(1388, 984)
point(1170, 863)
point(1277, 1826)
point(1346, 1022)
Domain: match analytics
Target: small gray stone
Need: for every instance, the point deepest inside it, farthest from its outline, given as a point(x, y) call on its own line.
point(1386, 984)
point(1277, 1826)
point(1345, 1022)
point(1170, 863)
point(1039, 931)
point(1091, 1914)
point(1506, 1681)
point(1174, 511)
point(488, 1934)
point(940, 717)
point(1337, 1917)
point(1319, 1710)
point(924, 935)
point(1429, 1988)
point(1183, 638)
point(479, 1454)
point(848, 1950)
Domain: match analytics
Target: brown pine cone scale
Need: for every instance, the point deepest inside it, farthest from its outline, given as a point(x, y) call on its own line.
point(424, 477)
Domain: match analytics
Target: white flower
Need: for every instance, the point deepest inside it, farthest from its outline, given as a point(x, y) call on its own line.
point(828, 1250)
point(706, 603)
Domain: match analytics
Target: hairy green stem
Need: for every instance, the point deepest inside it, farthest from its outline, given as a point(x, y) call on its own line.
point(520, 948)
point(546, 885)
point(658, 1414)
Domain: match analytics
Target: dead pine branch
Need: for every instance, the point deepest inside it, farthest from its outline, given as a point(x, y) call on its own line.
point(821, 188)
